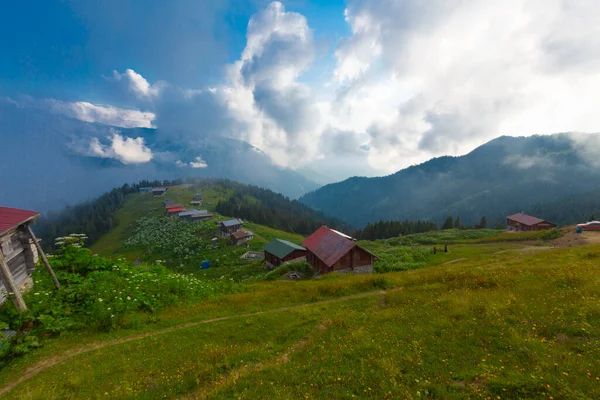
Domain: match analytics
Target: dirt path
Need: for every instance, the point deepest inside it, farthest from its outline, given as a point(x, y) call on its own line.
point(524, 249)
point(453, 261)
point(55, 360)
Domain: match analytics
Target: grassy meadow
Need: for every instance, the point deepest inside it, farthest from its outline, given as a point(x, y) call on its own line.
point(483, 321)
point(500, 316)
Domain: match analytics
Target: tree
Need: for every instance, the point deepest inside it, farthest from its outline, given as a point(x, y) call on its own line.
point(592, 217)
point(482, 223)
point(448, 223)
point(457, 223)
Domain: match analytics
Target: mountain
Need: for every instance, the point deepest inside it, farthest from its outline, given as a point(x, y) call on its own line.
point(501, 177)
point(50, 161)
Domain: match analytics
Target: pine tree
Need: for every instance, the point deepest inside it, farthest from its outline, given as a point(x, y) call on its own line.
point(592, 217)
point(482, 223)
point(448, 223)
point(457, 223)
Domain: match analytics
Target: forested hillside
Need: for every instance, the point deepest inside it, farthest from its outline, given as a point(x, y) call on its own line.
point(502, 177)
point(266, 207)
point(94, 217)
point(263, 206)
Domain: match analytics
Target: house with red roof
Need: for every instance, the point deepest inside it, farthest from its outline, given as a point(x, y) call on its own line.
point(328, 250)
point(18, 252)
point(524, 222)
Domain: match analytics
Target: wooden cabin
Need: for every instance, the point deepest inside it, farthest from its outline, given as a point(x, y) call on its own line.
point(241, 236)
point(328, 250)
point(188, 215)
point(200, 217)
point(158, 191)
point(523, 222)
point(196, 202)
point(174, 211)
point(279, 252)
point(227, 228)
point(17, 248)
point(145, 189)
point(197, 196)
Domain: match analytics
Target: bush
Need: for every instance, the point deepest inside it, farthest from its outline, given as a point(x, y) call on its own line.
point(96, 293)
point(552, 234)
point(300, 266)
point(401, 259)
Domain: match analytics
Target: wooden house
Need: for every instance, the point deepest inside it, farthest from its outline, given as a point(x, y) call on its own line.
point(279, 252)
point(200, 217)
point(196, 202)
point(19, 251)
point(158, 191)
point(174, 211)
point(145, 189)
point(187, 215)
point(197, 196)
point(241, 236)
point(227, 228)
point(523, 222)
point(328, 250)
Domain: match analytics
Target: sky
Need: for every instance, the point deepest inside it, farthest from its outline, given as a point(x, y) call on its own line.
point(333, 88)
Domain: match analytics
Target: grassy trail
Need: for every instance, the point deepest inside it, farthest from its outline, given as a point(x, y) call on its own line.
point(52, 361)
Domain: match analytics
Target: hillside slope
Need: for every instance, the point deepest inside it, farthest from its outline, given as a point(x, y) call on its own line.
point(515, 323)
point(504, 176)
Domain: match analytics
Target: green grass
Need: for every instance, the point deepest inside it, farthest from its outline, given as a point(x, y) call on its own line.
point(463, 236)
point(508, 324)
point(225, 260)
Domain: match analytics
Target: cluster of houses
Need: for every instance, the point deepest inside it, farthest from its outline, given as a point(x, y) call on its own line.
point(233, 229)
point(326, 250)
point(177, 210)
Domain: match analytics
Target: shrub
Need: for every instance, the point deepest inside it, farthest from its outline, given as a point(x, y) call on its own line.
point(401, 259)
point(300, 266)
point(96, 293)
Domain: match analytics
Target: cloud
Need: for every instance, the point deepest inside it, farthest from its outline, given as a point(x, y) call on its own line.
point(459, 73)
point(198, 162)
point(138, 85)
point(103, 114)
point(124, 149)
point(411, 81)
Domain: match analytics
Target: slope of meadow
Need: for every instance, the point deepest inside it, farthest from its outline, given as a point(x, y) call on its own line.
point(488, 321)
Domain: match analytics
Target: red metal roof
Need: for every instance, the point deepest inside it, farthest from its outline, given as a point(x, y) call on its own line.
point(240, 234)
point(327, 245)
point(525, 219)
point(13, 217)
point(169, 206)
point(174, 210)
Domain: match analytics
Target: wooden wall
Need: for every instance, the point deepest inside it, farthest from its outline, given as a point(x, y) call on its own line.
point(20, 257)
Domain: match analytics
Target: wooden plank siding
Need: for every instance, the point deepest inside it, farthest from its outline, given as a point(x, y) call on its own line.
point(20, 258)
point(353, 261)
point(273, 261)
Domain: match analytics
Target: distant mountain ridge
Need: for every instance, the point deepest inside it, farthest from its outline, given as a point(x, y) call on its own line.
point(52, 164)
point(503, 176)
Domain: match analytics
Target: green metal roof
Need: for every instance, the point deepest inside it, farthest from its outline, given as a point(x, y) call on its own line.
point(281, 248)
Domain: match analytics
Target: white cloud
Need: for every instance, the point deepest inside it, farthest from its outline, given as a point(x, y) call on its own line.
point(413, 80)
point(103, 114)
point(124, 149)
point(138, 85)
point(197, 163)
point(458, 73)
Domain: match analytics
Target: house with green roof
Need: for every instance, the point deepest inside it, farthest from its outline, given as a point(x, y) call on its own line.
point(278, 252)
